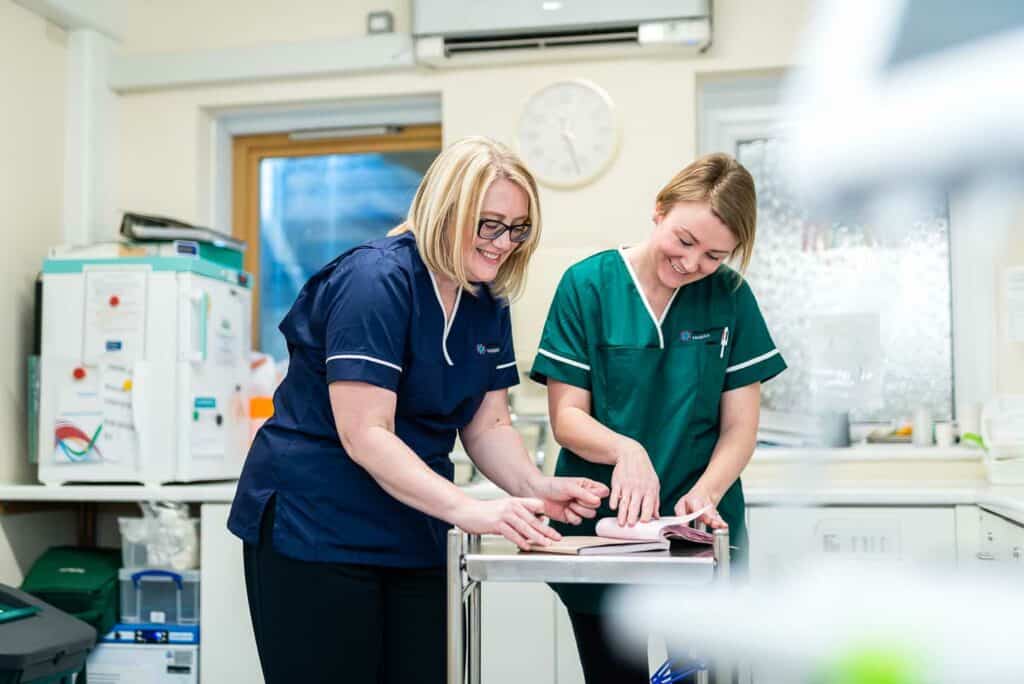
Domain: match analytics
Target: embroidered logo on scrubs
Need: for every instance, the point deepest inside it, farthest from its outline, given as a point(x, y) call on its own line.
point(482, 349)
point(693, 336)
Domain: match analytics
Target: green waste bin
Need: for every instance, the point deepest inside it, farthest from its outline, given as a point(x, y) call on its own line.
point(79, 581)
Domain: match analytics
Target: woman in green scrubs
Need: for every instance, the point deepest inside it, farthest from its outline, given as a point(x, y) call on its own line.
point(653, 356)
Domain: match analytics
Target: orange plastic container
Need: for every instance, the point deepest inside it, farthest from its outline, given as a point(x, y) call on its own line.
point(260, 408)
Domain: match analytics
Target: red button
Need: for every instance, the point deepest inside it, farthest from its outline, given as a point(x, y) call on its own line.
point(78, 373)
point(114, 300)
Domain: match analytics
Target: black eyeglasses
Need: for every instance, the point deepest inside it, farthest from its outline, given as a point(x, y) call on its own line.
point(492, 229)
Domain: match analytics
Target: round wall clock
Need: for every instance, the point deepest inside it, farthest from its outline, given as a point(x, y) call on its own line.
point(568, 133)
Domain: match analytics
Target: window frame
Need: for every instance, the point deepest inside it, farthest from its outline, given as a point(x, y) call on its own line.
point(248, 151)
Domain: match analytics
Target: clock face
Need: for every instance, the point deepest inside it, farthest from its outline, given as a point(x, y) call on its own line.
point(568, 133)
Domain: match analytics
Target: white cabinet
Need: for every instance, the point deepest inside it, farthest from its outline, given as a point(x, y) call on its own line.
point(227, 647)
point(517, 631)
point(783, 537)
point(988, 539)
point(1001, 538)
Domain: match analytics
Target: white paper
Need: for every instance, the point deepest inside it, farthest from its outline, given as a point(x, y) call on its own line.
point(79, 423)
point(115, 332)
point(1015, 303)
point(227, 334)
point(118, 441)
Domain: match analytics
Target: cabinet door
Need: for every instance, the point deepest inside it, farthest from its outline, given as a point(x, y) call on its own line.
point(227, 649)
point(1001, 539)
point(517, 633)
point(567, 659)
point(783, 537)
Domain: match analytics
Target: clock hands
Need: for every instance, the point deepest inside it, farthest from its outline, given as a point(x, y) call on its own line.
point(569, 139)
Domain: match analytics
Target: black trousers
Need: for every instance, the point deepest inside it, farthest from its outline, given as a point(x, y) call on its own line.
point(332, 623)
point(601, 662)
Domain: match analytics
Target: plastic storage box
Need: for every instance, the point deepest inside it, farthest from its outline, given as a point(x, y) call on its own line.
point(159, 596)
point(39, 643)
point(140, 546)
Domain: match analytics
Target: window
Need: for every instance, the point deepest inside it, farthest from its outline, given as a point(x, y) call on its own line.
point(300, 202)
point(862, 314)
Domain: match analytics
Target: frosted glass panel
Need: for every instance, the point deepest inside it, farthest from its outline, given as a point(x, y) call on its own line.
point(862, 315)
point(314, 208)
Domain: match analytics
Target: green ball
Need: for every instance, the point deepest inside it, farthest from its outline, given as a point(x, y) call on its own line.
point(872, 665)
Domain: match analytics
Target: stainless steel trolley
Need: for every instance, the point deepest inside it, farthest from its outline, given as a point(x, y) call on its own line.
point(472, 561)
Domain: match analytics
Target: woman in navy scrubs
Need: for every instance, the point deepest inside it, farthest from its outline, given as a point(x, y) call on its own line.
point(347, 495)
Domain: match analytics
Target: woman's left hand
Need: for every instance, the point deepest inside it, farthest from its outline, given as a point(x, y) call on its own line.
point(569, 499)
point(696, 499)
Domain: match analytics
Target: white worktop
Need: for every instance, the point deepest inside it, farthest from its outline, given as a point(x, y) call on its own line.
point(863, 452)
point(760, 490)
point(222, 492)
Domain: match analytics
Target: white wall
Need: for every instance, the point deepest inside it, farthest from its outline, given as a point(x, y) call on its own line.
point(165, 147)
point(32, 74)
point(1009, 355)
point(188, 25)
point(32, 71)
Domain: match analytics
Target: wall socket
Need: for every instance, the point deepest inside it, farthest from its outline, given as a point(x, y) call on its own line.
point(380, 22)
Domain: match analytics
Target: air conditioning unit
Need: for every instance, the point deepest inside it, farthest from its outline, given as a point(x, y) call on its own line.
point(450, 33)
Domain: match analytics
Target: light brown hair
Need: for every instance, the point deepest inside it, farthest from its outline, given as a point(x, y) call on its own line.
point(728, 188)
point(446, 208)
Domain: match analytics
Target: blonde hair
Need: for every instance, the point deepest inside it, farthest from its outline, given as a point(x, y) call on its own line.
point(446, 208)
point(723, 183)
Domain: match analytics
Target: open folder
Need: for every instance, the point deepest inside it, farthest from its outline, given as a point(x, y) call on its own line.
point(655, 535)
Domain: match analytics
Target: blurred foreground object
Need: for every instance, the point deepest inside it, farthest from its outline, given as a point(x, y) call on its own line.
point(845, 624)
point(918, 95)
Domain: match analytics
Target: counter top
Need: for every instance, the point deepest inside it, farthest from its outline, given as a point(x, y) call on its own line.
point(866, 453)
point(222, 492)
point(776, 477)
point(887, 493)
point(1007, 500)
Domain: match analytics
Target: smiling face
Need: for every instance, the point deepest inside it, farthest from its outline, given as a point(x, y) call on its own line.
point(506, 202)
point(689, 243)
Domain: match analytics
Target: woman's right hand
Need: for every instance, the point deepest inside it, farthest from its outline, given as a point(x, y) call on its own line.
point(516, 519)
point(636, 491)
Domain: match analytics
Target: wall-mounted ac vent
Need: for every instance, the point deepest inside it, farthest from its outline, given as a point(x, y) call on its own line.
point(471, 32)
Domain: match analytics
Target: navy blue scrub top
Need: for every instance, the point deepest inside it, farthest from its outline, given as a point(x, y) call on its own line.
point(371, 315)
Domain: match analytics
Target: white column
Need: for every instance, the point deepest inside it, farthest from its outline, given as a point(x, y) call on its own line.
point(90, 141)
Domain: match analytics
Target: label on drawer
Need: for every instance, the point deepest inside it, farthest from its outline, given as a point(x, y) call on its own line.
point(875, 539)
point(158, 617)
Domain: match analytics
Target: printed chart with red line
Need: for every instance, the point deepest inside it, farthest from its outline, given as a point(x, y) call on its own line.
point(76, 445)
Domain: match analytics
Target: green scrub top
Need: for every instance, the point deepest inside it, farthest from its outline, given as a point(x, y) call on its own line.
point(659, 382)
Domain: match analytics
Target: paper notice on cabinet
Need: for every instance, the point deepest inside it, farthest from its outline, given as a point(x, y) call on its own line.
point(119, 441)
point(79, 424)
point(115, 315)
point(1015, 303)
